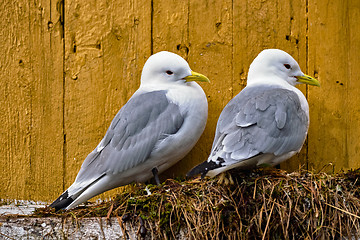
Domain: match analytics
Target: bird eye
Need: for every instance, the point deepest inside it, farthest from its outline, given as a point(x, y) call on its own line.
point(168, 72)
point(287, 66)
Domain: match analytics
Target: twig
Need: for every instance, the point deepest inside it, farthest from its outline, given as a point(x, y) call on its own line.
point(268, 221)
point(351, 214)
point(121, 227)
point(7, 236)
point(109, 212)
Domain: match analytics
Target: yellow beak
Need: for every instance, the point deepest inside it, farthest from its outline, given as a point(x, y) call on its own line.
point(196, 77)
point(308, 80)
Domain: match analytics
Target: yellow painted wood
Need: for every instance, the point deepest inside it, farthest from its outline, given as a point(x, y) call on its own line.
point(46, 140)
point(30, 100)
point(269, 24)
point(170, 27)
point(61, 85)
point(334, 41)
point(105, 49)
point(171, 33)
point(210, 36)
point(199, 40)
point(15, 103)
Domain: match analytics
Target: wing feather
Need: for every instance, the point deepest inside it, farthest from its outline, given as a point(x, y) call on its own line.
point(260, 120)
point(143, 121)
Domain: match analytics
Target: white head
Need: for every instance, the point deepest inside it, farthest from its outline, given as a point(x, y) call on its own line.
point(167, 68)
point(276, 66)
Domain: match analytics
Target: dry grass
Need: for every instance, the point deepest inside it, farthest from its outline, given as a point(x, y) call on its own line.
point(266, 204)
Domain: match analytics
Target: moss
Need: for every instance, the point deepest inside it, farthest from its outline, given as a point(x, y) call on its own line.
point(260, 203)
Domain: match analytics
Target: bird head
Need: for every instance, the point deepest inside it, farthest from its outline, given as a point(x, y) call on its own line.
point(277, 67)
point(169, 68)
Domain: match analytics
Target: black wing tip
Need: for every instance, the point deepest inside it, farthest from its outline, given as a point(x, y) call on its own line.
point(197, 170)
point(204, 167)
point(62, 202)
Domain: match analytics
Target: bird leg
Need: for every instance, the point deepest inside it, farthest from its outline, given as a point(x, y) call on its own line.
point(156, 176)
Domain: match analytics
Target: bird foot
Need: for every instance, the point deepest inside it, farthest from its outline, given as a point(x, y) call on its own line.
point(226, 179)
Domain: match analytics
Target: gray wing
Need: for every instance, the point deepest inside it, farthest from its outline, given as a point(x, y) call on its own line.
point(260, 120)
point(143, 121)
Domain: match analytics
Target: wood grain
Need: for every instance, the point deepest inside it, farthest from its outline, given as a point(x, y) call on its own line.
point(333, 57)
point(31, 100)
point(64, 76)
point(104, 55)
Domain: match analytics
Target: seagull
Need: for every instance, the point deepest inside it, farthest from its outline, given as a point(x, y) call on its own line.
point(266, 123)
point(156, 128)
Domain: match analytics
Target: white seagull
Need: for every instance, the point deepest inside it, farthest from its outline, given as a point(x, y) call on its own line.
point(157, 127)
point(266, 123)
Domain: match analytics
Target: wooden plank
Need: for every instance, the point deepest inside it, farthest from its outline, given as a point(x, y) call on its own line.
point(259, 25)
point(334, 58)
point(30, 101)
point(174, 37)
point(210, 53)
point(197, 38)
point(129, 44)
point(64, 228)
point(15, 100)
point(106, 47)
point(352, 18)
point(47, 139)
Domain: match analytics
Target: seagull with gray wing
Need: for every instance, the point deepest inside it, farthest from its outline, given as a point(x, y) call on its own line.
point(266, 123)
point(157, 127)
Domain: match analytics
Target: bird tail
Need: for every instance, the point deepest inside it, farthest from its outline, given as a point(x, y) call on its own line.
point(62, 202)
point(204, 168)
point(197, 170)
point(80, 192)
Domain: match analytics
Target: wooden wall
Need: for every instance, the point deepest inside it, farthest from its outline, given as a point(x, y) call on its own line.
point(67, 67)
